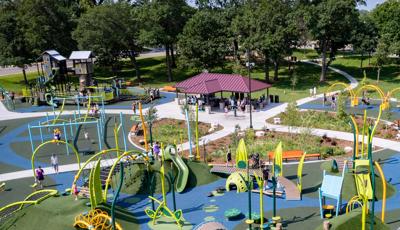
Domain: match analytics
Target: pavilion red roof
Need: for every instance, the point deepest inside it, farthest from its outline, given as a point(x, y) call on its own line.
point(206, 83)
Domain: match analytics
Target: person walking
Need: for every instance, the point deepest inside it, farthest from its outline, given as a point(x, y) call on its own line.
point(39, 176)
point(54, 162)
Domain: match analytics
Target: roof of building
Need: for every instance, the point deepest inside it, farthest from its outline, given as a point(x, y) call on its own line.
point(206, 83)
point(54, 54)
point(79, 55)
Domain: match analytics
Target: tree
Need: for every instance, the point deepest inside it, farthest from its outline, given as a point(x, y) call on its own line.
point(331, 22)
point(387, 18)
point(162, 21)
point(268, 27)
point(13, 47)
point(109, 30)
point(365, 36)
point(45, 24)
point(203, 43)
point(382, 53)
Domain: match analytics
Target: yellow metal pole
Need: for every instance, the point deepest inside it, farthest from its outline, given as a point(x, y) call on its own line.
point(163, 175)
point(363, 133)
point(384, 190)
point(146, 146)
point(357, 134)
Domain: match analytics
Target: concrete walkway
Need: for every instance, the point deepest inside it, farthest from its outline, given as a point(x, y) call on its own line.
point(228, 121)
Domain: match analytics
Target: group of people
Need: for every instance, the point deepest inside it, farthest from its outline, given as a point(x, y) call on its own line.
point(313, 92)
point(153, 93)
point(94, 110)
point(334, 99)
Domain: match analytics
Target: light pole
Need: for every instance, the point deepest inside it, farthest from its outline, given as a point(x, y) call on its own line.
point(249, 65)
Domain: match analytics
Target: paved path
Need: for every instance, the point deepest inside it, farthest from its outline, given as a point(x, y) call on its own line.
point(172, 110)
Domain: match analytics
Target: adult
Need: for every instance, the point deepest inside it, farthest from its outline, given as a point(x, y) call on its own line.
point(39, 176)
point(134, 107)
point(12, 95)
point(54, 162)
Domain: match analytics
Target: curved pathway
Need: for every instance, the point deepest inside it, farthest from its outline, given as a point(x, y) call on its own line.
point(228, 121)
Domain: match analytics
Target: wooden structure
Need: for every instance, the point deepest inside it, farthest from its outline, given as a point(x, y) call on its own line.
point(82, 65)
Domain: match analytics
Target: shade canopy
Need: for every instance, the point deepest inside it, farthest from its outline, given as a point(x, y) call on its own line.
point(206, 83)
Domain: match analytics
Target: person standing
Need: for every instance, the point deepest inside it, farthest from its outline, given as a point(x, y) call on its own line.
point(134, 107)
point(54, 162)
point(39, 176)
point(265, 173)
point(229, 157)
point(156, 150)
point(315, 91)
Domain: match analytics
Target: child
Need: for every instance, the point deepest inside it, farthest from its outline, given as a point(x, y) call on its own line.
point(57, 135)
point(54, 162)
point(39, 176)
point(265, 173)
point(75, 191)
point(226, 110)
point(156, 150)
point(229, 157)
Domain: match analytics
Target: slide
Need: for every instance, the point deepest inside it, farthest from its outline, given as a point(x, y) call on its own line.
point(362, 178)
point(183, 170)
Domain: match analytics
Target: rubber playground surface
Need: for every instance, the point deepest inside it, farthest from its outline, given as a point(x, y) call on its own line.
point(26, 107)
point(372, 109)
point(15, 154)
point(196, 205)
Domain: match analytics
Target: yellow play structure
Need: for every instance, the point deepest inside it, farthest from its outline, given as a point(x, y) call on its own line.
point(95, 219)
point(237, 179)
point(162, 209)
point(31, 199)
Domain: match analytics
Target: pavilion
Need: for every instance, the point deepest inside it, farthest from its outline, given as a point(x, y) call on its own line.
point(210, 83)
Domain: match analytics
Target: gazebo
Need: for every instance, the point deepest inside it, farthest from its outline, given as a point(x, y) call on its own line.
point(211, 83)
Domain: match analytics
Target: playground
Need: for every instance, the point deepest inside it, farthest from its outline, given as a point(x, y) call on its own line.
point(110, 155)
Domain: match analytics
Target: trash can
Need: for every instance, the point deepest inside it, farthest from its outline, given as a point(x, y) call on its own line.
point(276, 98)
point(271, 98)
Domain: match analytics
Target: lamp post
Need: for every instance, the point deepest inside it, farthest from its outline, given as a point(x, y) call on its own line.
point(249, 65)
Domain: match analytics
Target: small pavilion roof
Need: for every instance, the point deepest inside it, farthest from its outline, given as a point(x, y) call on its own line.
point(206, 83)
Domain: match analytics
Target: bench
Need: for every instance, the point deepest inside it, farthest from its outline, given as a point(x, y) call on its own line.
point(292, 154)
point(169, 88)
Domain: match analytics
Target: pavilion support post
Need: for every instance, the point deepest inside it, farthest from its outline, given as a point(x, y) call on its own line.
point(221, 95)
point(186, 99)
point(267, 95)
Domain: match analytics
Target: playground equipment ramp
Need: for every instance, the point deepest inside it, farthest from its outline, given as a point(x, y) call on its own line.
point(183, 170)
point(32, 199)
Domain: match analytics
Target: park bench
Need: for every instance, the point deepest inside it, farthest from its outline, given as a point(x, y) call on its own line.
point(292, 154)
point(169, 88)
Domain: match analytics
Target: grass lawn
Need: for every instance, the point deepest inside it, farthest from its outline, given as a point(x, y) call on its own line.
point(15, 82)
point(154, 74)
point(389, 77)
